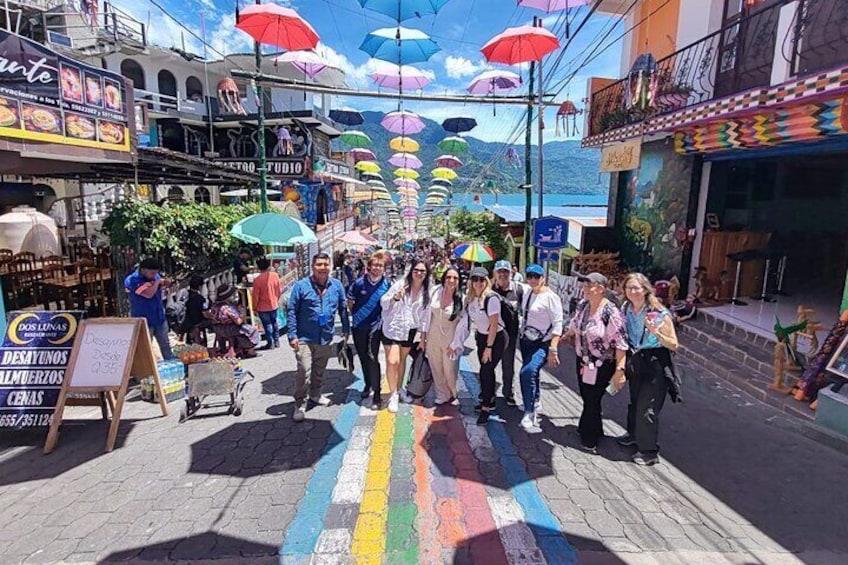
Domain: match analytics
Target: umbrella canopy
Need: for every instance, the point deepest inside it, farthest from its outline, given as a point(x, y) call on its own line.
point(459, 124)
point(454, 145)
point(271, 24)
point(404, 144)
point(520, 45)
point(355, 138)
point(407, 173)
point(438, 191)
point(406, 9)
point(492, 82)
point(407, 160)
point(553, 5)
point(273, 229)
point(347, 116)
point(390, 75)
point(308, 62)
point(402, 122)
point(443, 173)
point(357, 238)
point(376, 183)
point(406, 183)
point(373, 176)
point(477, 253)
point(410, 213)
point(442, 182)
point(368, 167)
point(448, 161)
point(362, 154)
point(399, 45)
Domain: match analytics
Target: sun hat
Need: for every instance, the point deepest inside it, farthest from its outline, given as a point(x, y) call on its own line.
point(224, 291)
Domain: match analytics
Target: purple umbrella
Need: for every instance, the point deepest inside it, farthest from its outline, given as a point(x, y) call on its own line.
point(407, 183)
point(308, 62)
point(406, 160)
point(449, 161)
point(493, 82)
point(402, 122)
point(389, 76)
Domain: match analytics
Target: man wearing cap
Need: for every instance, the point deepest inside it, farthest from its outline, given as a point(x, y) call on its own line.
point(512, 296)
point(145, 291)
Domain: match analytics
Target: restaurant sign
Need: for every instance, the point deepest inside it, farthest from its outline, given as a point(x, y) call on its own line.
point(278, 169)
point(624, 156)
point(47, 97)
point(33, 359)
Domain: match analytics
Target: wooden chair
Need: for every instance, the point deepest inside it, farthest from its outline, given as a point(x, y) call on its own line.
point(81, 265)
point(24, 280)
point(5, 255)
point(27, 256)
point(93, 290)
point(53, 294)
point(52, 260)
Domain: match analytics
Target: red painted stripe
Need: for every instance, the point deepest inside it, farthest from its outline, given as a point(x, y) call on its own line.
point(427, 522)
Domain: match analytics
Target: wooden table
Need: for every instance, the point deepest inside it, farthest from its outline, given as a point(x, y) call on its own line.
point(67, 284)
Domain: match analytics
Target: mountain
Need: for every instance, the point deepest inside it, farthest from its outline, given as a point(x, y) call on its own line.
point(569, 169)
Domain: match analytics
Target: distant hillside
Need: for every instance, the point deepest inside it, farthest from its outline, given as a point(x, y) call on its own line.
point(568, 168)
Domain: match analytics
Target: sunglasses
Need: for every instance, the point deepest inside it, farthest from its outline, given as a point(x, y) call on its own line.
point(533, 276)
point(477, 279)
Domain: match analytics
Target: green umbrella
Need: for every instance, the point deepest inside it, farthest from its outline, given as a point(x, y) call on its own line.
point(454, 145)
point(273, 229)
point(355, 138)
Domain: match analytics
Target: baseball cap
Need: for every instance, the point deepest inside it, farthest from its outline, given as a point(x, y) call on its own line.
point(535, 269)
point(503, 265)
point(479, 272)
point(596, 278)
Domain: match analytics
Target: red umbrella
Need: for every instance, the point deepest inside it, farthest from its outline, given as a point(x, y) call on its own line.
point(520, 45)
point(271, 24)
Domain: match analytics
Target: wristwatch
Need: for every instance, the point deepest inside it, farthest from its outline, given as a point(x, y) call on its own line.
point(489, 346)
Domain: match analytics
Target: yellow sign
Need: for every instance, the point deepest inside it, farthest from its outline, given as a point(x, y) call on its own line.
point(624, 156)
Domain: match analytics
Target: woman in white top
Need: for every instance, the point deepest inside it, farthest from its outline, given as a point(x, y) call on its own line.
point(483, 310)
point(438, 335)
point(538, 338)
point(404, 306)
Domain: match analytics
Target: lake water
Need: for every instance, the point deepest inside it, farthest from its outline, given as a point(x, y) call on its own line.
point(467, 200)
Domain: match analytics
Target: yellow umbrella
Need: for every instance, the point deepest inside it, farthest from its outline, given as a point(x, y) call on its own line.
point(404, 144)
point(405, 173)
point(444, 173)
point(368, 167)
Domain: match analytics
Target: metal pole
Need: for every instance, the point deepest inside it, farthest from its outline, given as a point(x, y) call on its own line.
point(528, 167)
point(208, 94)
point(263, 159)
point(541, 173)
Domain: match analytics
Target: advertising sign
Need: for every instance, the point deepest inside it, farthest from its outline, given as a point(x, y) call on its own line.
point(550, 233)
point(278, 169)
point(624, 156)
point(33, 359)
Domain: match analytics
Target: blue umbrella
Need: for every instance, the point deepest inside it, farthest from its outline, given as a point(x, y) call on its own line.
point(347, 116)
point(459, 124)
point(401, 45)
point(406, 9)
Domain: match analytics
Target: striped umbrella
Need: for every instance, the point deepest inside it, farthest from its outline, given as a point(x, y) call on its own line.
point(478, 253)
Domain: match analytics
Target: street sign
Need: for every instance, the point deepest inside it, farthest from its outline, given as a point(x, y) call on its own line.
point(550, 233)
point(548, 255)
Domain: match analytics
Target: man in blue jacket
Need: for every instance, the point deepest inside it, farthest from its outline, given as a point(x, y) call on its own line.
point(144, 286)
point(312, 309)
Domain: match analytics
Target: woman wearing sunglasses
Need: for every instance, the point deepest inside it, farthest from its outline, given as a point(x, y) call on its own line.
point(483, 311)
point(444, 316)
point(404, 308)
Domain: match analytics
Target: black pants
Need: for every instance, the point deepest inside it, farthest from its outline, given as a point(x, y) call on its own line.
point(508, 366)
point(591, 427)
point(487, 370)
point(367, 343)
point(648, 389)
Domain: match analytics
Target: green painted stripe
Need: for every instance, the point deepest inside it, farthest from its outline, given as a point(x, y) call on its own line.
point(402, 539)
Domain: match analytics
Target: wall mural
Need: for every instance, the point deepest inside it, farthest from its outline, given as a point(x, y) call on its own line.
point(293, 140)
point(654, 209)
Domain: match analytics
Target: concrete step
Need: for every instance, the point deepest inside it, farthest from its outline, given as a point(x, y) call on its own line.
point(748, 350)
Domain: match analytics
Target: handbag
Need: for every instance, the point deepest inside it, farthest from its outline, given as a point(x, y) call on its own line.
point(529, 334)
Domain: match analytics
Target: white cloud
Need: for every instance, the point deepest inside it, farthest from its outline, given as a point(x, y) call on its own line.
point(460, 67)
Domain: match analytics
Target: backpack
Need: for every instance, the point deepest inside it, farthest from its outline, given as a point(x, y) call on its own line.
point(504, 306)
point(175, 313)
point(509, 314)
point(421, 376)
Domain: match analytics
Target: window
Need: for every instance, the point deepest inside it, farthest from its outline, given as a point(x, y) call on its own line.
point(176, 194)
point(194, 89)
point(167, 83)
point(133, 71)
point(202, 196)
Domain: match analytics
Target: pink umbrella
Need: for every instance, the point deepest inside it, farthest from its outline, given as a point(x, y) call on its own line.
point(407, 160)
point(308, 62)
point(449, 161)
point(520, 45)
point(357, 238)
point(410, 213)
point(271, 24)
point(492, 82)
point(553, 5)
point(407, 183)
point(402, 122)
point(390, 75)
point(362, 154)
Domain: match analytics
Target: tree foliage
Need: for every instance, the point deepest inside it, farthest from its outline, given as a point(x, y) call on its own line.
point(479, 226)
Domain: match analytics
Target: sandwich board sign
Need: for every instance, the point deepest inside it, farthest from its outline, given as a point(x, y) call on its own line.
point(106, 353)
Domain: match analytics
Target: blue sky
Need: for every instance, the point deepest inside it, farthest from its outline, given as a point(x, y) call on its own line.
point(460, 29)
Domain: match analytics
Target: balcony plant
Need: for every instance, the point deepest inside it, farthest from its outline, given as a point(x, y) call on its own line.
point(672, 91)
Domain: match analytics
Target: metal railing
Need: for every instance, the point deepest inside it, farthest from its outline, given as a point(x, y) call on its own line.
point(738, 57)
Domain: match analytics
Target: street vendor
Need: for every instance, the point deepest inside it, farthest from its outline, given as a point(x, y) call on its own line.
point(241, 265)
point(145, 286)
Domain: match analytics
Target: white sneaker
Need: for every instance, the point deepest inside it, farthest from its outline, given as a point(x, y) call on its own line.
point(299, 414)
point(528, 420)
point(321, 400)
point(394, 401)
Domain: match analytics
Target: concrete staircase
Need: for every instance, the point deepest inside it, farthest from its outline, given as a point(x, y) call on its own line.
point(738, 356)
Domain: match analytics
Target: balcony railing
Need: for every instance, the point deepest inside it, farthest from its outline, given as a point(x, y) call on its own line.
point(738, 57)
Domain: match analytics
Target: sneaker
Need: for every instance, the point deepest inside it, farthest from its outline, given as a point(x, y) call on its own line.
point(299, 414)
point(528, 420)
point(366, 392)
point(276, 345)
point(376, 403)
point(483, 418)
point(394, 402)
point(538, 405)
point(587, 449)
point(646, 459)
point(510, 401)
point(626, 440)
point(321, 400)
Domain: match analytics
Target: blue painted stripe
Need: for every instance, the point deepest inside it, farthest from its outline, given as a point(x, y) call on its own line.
point(539, 518)
point(302, 535)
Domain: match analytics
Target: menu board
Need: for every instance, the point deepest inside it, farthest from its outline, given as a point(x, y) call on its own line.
point(33, 360)
point(48, 97)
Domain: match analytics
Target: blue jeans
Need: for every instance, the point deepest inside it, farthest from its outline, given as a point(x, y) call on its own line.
point(160, 334)
point(534, 356)
point(269, 324)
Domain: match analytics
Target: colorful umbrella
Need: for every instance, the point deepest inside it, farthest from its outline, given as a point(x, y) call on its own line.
point(402, 122)
point(520, 45)
point(362, 154)
point(390, 75)
point(453, 144)
point(368, 167)
point(273, 229)
point(448, 161)
point(404, 144)
point(404, 9)
point(410, 213)
point(308, 61)
point(407, 160)
point(443, 173)
point(357, 238)
point(477, 253)
point(552, 5)
point(407, 183)
point(347, 116)
point(271, 24)
point(373, 176)
point(399, 45)
point(459, 124)
point(408, 173)
point(376, 183)
point(493, 82)
point(355, 138)
point(442, 182)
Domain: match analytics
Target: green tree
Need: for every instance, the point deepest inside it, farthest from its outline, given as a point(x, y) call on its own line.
point(479, 226)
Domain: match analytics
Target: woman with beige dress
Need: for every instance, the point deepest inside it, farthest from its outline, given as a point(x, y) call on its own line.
point(438, 333)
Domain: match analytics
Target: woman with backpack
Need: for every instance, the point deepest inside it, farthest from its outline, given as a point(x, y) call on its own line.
point(438, 334)
point(483, 311)
point(539, 336)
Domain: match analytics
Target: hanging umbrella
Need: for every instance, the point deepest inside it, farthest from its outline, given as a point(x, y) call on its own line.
point(404, 9)
point(402, 122)
point(347, 116)
point(454, 145)
point(443, 173)
point(390, 75)
point(410, 213)
point(271, 24)
point(374, 176)
point(367, 167)
point(357, 238)
point(448, 161)
point(520, 45)
point(459, 124)
point(438, 191)
point(493, 82)
point(307, 61)
point(553, 5)
point(399, 45)
point(407, 173)
point(355, 138)
point(407, 160)
point(408, 183)
point(442, 182)
point(376, 183)
point(362, 154)
point(273, 229)
point(404, 144)
point(477, 253)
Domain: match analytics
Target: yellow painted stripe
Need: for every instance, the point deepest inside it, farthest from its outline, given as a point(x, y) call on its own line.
point(369, 535)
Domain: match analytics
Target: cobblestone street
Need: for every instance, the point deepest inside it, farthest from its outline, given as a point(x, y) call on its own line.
point(740, 483)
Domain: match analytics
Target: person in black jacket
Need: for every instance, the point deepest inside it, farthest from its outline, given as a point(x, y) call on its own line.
point(512, 297)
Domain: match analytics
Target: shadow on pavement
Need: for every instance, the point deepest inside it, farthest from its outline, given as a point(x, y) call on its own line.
point(336, 383)
point(207, 547)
